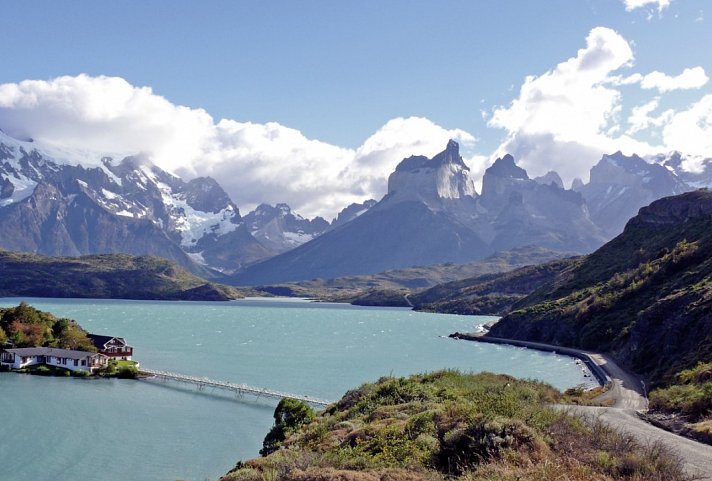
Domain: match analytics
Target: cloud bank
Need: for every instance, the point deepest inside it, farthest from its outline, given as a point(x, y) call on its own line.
point(566, 118)
point(563, 119)
point(253, 162)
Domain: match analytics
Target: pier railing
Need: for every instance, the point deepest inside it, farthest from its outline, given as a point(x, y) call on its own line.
point(202, 382)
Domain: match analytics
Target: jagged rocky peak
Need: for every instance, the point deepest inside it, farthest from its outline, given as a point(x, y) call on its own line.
point(576, 184)
point(505, 167)
point(620, 169)
point(351, 212)
point(500, 178)
point(279, 229)
point(445, 176)
point(205, 194)
point(549, 178)
point(675, 210)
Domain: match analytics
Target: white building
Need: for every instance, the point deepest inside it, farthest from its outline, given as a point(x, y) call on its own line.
point(64, 358)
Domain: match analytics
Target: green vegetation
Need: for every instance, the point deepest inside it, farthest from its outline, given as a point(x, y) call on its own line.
point(120, 369)
point(115, 276)
point(646, 296)
point(448, 425)
point(289, 416)
point(689, 401)
point(26, 326)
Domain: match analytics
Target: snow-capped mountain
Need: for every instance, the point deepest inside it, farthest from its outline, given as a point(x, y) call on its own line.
point(280, 229)
point(620, 185)
point(130, 205)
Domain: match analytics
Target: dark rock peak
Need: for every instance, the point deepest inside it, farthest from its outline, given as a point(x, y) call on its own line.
point(451, 155)
point(283, 208)
point(506, 168)
point(6, 188)
point(675, 210)
point(205, 194)
point(577, 184)
point(351, 212)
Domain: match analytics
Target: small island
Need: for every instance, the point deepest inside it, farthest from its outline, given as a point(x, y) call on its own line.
point(37, 342)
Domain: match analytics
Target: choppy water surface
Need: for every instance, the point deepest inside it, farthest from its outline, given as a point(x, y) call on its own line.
point(73, 429)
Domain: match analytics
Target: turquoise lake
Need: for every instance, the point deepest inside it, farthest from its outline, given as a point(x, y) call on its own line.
point(63, 429)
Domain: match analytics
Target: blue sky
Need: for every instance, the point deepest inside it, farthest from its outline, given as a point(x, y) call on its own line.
point(338, 72)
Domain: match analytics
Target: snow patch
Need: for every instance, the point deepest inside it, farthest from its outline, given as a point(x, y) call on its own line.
point(194, 224)
point(198, 258)
point(24, 188)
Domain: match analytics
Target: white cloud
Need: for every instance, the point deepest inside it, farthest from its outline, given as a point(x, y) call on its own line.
point(690, 130)
point(631, 5)
point(690, 78)
point(640, 118)
point(253, 162)
point(564, 120)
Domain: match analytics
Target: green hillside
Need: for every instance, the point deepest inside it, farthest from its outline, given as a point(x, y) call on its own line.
point(116, 276)
point(645, 296)
point(449, 426)
point(491, 294)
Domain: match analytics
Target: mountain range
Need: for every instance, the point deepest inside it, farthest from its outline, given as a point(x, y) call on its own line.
point(60, 203)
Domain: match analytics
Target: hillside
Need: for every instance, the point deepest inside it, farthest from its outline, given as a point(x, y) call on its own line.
point(116, 276)
point(447, 425)
point(646, 296)
point(413, 279)
point(490, 294)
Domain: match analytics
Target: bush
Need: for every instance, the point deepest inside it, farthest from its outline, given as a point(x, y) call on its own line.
point(127, 372)
point(289, 416)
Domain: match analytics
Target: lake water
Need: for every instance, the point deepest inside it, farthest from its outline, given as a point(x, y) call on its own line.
point(63, 429)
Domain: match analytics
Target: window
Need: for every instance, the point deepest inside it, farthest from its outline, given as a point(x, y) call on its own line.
point(84, 362)
point(64, 361)
point(76, 362)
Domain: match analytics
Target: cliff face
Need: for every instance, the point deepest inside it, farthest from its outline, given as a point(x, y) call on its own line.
point(646, 295)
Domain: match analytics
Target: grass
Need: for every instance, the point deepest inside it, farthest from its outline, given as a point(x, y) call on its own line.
point(448, 425)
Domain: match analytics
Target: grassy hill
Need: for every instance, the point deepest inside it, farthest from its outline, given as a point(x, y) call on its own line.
point(449, 426)
point(645, 296)
point(116, 276)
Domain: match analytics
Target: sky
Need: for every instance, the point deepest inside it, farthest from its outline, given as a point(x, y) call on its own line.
point(314, 103)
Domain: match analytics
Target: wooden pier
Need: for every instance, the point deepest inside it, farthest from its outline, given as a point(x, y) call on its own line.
point(203, 382)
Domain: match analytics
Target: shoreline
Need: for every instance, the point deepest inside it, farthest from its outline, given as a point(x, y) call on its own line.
point(600, 374)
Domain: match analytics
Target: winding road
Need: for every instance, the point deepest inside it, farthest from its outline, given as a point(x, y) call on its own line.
point(628, 395)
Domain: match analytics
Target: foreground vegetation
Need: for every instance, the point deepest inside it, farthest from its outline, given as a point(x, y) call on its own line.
point(448, 425)
point(686, 405)
point(111, 276)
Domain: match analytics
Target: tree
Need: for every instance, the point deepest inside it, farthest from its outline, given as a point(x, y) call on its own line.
point(289, 416)
point(68, 335)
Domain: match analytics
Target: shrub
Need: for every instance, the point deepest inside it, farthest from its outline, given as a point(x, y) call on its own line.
point(289, 416)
